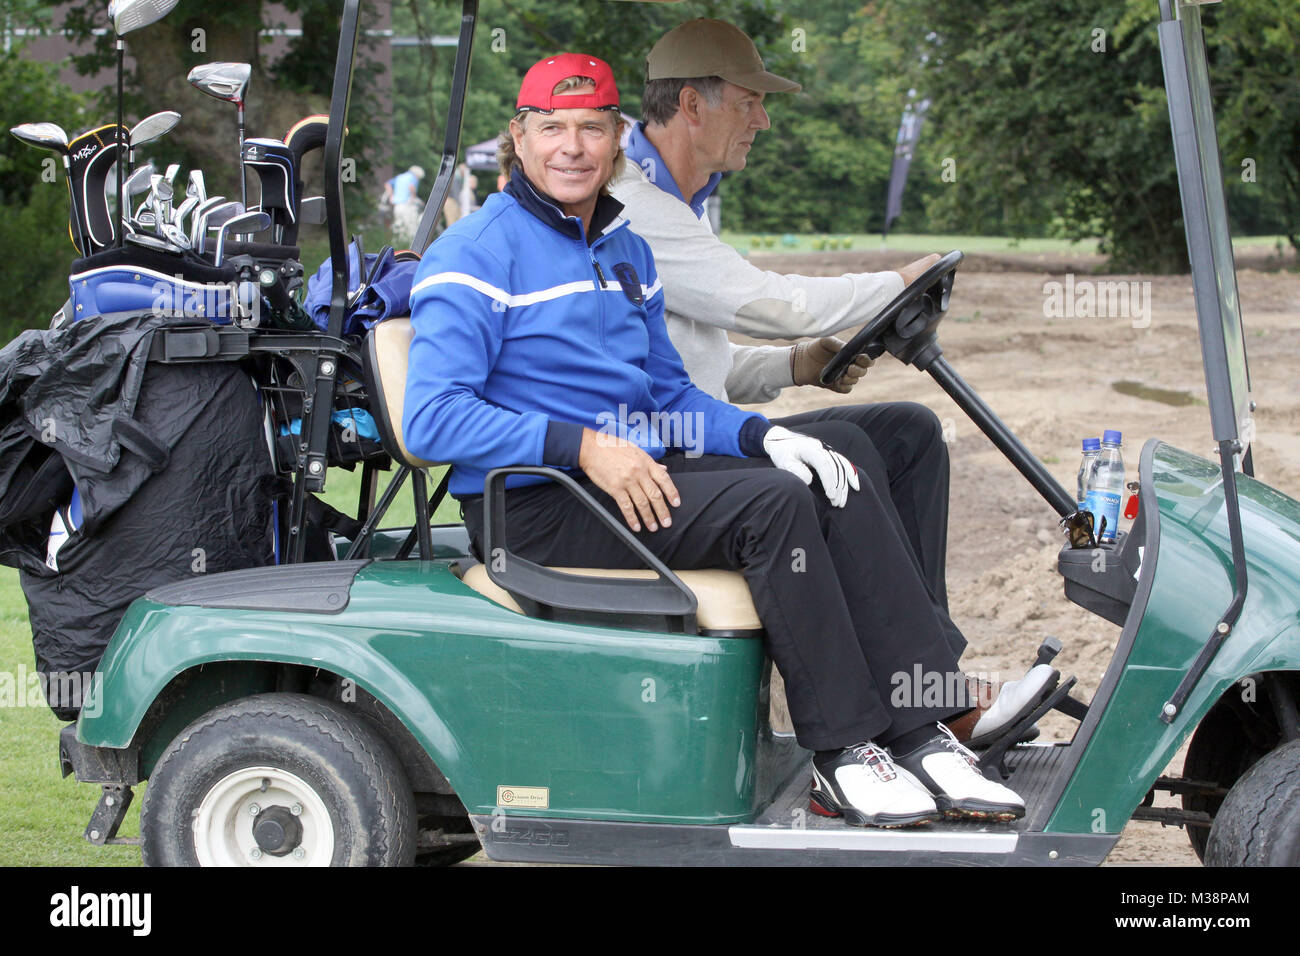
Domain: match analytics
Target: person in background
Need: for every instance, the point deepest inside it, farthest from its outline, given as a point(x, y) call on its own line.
point(401, 192)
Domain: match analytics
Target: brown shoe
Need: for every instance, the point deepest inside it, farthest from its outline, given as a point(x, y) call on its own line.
point(982, 694)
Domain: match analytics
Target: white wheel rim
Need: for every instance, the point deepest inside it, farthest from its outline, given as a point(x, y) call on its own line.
point(223, 823)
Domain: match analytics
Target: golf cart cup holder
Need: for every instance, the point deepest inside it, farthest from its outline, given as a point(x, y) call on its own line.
point(1103, 579)
point(665, 603)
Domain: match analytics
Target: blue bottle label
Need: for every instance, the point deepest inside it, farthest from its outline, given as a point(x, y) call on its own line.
point(1104, 504)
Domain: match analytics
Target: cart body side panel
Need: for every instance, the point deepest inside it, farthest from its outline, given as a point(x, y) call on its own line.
point(1192, 587)
point(521, 715)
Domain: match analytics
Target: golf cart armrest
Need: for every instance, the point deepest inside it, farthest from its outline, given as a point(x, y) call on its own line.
point(555, 595)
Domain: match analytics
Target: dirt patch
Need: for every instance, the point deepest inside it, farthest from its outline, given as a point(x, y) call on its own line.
point(1050, 380)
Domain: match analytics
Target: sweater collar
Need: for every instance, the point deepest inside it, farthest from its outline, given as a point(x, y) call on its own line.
point(548, 210)
point(642, 152)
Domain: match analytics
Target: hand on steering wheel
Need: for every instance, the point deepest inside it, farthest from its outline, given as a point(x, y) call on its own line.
point(914, 312)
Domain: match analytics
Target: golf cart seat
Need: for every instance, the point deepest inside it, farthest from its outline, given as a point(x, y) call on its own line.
point(725, 605)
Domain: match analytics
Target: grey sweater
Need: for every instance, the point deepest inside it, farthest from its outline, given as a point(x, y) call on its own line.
point(710, 290)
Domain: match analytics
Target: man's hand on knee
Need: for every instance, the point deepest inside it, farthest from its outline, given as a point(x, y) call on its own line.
point(807, 359)
point(801, 456)
point(637, 483)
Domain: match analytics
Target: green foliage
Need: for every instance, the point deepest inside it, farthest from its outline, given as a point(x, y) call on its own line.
point(35, 247)
point(1055, 116)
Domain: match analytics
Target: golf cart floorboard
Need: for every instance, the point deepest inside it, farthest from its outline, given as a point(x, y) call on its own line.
point(1032, 769)
point(787, 833)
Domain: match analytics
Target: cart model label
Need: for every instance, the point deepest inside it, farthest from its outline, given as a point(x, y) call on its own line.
point(534, 798)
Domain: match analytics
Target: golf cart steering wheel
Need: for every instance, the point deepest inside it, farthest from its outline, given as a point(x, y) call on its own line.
point(905, 327)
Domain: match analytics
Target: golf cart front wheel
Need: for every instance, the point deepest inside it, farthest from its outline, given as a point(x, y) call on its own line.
point(278, 780)
point(1259, 822)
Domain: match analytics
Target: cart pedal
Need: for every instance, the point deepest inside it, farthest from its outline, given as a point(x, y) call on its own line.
point(1069, 706)
point(996, 754)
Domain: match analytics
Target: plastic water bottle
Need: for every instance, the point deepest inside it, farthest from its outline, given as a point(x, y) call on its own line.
point(1107, 486)
point(1091, 450)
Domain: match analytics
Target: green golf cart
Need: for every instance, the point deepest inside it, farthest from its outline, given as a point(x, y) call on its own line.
point(410, 703)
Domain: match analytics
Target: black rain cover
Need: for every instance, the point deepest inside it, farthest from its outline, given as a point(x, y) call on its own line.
point(190, 489)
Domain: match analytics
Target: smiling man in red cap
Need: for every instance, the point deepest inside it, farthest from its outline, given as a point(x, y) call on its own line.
point(539, 339)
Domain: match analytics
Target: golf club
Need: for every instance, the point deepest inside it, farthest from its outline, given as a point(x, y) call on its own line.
point(199, 217)
point(93, 155)
point(229, 82)
point(52, 137)
point(215, 218)
point(127, 16)
point(312, 210)
point(247, 224)
point(151, 128)
point(197, 188)
point(304, 136)
point(273, 163)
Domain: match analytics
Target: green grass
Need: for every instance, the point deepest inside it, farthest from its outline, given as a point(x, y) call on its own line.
point(924, 244)
point(42, 815)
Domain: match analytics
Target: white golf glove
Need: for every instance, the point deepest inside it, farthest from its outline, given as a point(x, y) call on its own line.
point(801, 456)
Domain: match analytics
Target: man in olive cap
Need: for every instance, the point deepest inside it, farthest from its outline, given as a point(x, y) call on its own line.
point(702, 108)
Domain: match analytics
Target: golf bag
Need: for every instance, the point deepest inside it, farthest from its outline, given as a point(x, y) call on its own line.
point(171, 471)
point(132, 279)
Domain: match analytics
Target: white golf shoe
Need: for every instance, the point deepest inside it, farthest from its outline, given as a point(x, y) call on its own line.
point(866, 788)
point(949, 771)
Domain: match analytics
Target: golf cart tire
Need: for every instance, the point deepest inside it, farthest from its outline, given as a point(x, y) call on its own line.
point(1259, 822)
point(345, 781)
point(1221, 751)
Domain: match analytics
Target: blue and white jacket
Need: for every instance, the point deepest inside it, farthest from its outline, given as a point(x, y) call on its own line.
point(527, 329)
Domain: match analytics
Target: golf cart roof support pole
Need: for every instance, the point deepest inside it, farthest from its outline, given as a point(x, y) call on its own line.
point(122, 155)
point(335, 215)
point(1001, 436)
point(1173, 707)
point(1180, 66)
point(319, 401)
point(455, 117)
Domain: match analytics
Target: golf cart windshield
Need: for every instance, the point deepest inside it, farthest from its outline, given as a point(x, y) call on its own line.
point(1205, 218)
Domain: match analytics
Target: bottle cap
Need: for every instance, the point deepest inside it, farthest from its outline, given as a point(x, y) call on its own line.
point(1091, 444)
point(1111, 435)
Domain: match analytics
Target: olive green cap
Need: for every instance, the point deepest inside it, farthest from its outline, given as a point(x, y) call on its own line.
point(707, 47)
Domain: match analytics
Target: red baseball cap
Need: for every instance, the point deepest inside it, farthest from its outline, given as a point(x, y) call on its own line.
point(535, 92)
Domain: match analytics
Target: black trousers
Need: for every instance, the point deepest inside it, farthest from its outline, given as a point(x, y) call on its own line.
point(850, 618)
point(908, 456)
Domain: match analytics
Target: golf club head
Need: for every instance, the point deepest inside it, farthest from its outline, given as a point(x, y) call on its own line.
point(139, 180)
point(172, 170)
point(215, 218)
point(247, 224)
point(175, 235)
point(128, 16)
point(183, 210)
point(42, 136)
point(273, 162)
point(198, 220)
point(224, 81)
point(304, 136)
point(197, 188)
point(312, 210)
point(91, 158)
point(153, 127)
